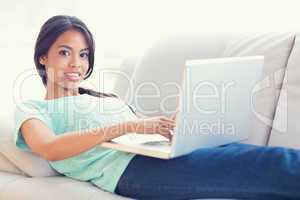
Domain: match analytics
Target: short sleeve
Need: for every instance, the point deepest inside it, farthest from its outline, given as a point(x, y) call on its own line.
point(23, 112)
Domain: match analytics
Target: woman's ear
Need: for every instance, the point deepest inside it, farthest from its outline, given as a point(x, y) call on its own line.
point(43, 60)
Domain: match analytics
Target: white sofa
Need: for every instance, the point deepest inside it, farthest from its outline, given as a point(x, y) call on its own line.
point(26, 176)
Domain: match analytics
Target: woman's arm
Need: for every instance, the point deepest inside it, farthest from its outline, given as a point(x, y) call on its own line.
point(45, 143)
point(42, 141)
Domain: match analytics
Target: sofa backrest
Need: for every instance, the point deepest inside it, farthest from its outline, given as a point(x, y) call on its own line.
point(276, 48)
point(158, 72)
point(153, 87)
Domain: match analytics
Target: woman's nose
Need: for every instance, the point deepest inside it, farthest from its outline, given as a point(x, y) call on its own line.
point(75, 62)
point(75, 65)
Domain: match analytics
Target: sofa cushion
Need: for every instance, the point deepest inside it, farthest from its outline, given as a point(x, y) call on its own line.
point(5, 178)
point(31, 164)
point(16, 187)
point(124, 76)
point(276, 48)
point(49, 188)
point(286, 126)
point(7, 166)
point(153, 89)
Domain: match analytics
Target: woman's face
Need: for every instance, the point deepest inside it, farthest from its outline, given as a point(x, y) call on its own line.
point(67, 61)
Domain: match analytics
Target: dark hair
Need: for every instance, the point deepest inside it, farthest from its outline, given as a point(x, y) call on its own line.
point(50, 31)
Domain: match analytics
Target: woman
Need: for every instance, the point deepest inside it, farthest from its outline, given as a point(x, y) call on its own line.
point(66, 127)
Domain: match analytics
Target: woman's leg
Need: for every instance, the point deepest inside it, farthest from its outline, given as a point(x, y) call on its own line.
point(232, 171)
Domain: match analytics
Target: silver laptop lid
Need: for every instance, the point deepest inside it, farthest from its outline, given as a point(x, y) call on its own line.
point(215, 102)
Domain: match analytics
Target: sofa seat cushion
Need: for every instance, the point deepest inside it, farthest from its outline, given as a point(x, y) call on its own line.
point(7, 178)
point(7, 166)
point(16, 187)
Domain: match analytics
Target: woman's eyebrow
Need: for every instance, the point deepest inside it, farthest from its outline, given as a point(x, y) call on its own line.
point(68, 47)
point(85, 49)
point(65, 46)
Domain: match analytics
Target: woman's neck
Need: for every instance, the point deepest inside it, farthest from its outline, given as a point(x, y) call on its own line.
point(57, 92)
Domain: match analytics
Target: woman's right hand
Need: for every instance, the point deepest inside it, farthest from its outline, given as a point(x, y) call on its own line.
point(155, 125)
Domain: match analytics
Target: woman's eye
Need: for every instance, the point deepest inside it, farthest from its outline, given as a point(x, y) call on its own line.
point(84, 55)
point(64, 53)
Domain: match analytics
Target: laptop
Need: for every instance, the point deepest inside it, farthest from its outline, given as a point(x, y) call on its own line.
point(215, 108)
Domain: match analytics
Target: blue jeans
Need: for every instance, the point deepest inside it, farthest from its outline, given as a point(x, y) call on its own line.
point(232, 171)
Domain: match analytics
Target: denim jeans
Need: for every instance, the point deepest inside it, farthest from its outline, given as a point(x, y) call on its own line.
point(231, 171)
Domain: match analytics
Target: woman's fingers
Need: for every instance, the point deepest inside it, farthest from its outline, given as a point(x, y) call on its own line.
point(166, 119)
point(166, 133)
point(174, 116)
point(169, 126)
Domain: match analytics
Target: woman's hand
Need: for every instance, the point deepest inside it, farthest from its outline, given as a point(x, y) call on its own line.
point(155, 125)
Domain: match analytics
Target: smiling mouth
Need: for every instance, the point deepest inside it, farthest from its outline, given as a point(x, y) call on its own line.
point(73, 76)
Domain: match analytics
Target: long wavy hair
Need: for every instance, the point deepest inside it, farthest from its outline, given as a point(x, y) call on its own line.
point(50, 31)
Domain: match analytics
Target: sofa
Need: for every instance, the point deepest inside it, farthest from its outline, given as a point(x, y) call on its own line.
point(276, 105)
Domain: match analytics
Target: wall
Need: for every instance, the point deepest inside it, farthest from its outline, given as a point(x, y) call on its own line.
point(122, 29)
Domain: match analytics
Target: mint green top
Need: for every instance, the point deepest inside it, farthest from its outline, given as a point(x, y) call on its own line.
point(101, 166)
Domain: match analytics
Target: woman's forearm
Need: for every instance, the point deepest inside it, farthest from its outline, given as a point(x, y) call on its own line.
point(73, 143)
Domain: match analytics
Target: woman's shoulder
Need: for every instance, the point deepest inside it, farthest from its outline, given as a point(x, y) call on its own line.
point(29, 105)
point(42, 103)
